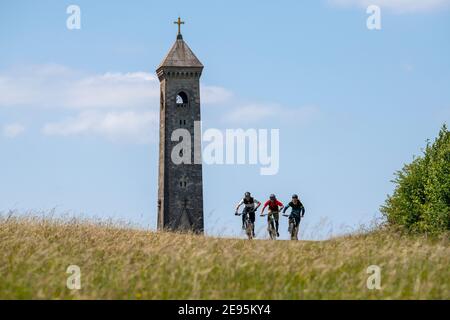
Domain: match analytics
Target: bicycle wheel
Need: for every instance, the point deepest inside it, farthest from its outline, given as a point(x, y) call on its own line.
point(297, 228)
point(272, 232)
point(292, 228)
point(249, 230)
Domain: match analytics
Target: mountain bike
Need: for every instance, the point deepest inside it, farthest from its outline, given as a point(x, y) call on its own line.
point(248, 225)
point(271, 226)
point(293, 228)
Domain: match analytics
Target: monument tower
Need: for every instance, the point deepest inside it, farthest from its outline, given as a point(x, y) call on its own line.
point(180, 186)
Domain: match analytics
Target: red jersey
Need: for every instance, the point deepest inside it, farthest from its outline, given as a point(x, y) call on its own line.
point(273, 205)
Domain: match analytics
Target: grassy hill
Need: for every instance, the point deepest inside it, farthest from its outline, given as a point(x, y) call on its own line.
point(130, 264)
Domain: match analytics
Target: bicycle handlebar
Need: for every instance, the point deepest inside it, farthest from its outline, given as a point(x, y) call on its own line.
point(238, 214)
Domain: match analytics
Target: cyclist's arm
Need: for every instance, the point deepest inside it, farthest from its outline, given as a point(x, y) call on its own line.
point(303, 210)
point(280, 205)
point(257, 204)
point(287, 207)
point(264, 207)
point(239, 204)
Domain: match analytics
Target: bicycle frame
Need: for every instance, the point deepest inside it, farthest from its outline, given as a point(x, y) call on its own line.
point(271, 226)
point(293, 226)
point(248, 225)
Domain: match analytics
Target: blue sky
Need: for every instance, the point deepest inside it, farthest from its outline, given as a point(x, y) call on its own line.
point(78, 108)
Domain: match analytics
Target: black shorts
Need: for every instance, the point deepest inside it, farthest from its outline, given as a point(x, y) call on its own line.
point(295, 217)
point(251, 214)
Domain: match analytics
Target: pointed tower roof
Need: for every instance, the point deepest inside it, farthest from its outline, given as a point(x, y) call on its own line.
point(180, 55)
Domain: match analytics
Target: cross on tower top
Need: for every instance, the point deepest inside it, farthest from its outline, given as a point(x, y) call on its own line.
point(179, 23)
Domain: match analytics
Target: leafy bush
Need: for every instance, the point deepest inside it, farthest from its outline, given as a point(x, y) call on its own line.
point(421, 200)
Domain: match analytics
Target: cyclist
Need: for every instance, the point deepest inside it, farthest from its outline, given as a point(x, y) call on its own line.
point(297, 209)
point(249, 208)
point(274, 208)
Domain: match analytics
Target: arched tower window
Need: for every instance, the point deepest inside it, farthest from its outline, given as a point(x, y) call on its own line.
point(182, 99)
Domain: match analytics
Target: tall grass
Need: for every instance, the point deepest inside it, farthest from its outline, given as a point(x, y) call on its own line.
point(124, 263)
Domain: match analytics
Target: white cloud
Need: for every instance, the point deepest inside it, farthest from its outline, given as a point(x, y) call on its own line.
point(121, 107)
point(114, 105)
point(58, 86)
point(214, 94)
point(397, 6)
point(123, 126)
point(253, 113)
point(13, 130)
point(114, 90)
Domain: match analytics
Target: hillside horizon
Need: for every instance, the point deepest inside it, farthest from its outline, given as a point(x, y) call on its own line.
point(120, 263)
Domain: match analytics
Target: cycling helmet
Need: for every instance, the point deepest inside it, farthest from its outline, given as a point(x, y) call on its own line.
point(294, 196)
point(272, 197)
point(247, 194)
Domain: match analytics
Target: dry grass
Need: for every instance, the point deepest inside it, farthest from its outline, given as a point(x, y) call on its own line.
point(121, 263)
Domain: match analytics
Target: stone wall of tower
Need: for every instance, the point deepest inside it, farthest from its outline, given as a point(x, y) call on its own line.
point(180, 195)
point(162, 153)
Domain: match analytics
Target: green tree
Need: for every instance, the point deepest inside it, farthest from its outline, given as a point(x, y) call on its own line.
point(421, 200)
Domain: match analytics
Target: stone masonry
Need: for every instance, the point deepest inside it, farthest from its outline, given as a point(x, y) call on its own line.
point(180, 186)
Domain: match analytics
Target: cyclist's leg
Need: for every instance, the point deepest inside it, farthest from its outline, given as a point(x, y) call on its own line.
point(298, 225)
point(252, 216)
point(270, 224)
point(290, 220)
point(244, 213)
point(252, 219)
point(294, 216)
point(276, 216)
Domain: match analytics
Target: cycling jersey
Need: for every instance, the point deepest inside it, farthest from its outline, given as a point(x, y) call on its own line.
point(249, 203)
point(297, 209)
point(250, 212)
point(273, 205)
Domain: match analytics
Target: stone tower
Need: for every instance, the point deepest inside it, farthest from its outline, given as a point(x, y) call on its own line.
point(180, 186)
